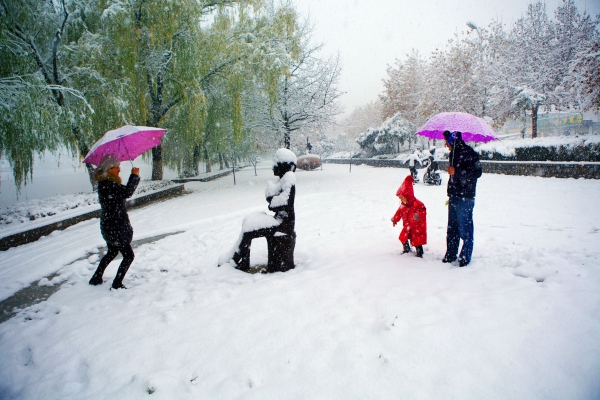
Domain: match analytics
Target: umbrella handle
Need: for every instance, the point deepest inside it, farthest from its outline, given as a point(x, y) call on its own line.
point(452, 160)
point(127, 151)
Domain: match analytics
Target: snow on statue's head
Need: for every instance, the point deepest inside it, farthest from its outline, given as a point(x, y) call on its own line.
point(283, 161)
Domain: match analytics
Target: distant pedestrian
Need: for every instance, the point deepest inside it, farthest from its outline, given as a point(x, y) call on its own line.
point(464, 170)
point(412, 161)
point(114, 221)
point(413, 214)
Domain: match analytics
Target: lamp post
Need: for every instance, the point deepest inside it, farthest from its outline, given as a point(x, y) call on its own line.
point(474, 27)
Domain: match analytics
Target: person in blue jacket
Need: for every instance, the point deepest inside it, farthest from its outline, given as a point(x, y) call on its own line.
point(464, 170)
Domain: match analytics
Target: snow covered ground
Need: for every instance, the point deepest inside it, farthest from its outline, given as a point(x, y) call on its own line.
point(355, 319)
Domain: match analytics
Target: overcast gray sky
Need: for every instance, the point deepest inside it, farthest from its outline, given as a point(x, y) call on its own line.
point(370, 34)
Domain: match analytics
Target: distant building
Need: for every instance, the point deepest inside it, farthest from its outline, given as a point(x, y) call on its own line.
point(553, 124)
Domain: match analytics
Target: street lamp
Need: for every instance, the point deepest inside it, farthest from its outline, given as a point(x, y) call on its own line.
point(474, 27)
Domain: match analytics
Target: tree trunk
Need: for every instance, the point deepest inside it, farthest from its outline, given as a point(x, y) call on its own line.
point(84, 150)
point(221, 163)
point(196, 160)
point(534, 113)
point(207, 160)
point(233, 168)
point(157, 166)
point(286, 139)
point(90, 170)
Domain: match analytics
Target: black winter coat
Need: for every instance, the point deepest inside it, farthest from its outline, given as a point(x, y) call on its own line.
point(467, 168)
point(114, 221)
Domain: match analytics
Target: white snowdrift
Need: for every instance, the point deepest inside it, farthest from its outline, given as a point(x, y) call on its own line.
point(355, 319)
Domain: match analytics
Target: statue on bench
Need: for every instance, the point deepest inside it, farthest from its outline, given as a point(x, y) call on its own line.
point(278, 229)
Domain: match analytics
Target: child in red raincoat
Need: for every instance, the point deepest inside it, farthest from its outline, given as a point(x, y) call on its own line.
point(413, 214)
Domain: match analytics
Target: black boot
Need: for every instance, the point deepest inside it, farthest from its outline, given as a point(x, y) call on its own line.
point(118, 282)
point(108, 257)
point(406, 247)
point(128, 257)
point(96, 280)
point(419, 251)
point(118, 286)
point(97, 277)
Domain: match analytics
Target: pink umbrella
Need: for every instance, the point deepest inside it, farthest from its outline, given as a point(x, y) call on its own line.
point(473, 129)
point(125, 143)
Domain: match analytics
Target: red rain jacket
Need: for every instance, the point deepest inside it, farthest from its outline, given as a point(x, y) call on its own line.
point(413, 215)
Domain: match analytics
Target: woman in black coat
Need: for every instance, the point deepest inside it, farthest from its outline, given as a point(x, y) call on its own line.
point(114, 221)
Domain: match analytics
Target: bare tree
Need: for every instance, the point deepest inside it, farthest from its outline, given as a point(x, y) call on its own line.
point(405, 88)
point(307, 97)
point(362, 118)
point(584, 77)
point(532, 66)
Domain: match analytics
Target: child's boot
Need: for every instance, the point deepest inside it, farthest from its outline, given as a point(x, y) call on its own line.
point(406, 247)
point(419, 251)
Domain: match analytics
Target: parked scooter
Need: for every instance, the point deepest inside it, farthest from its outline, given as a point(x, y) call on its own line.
point(432, 176)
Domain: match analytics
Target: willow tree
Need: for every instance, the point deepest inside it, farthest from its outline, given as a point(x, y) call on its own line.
point(179, 51)
point(50, 79)
point(245, 53)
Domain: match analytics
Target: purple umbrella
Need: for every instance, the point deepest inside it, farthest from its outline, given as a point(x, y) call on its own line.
point(125, 143)
point(473, 129)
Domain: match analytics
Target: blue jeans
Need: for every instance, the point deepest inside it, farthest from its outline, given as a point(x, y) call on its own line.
point(460, 226)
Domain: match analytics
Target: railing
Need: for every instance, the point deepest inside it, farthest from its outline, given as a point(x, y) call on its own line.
point(575, 169)
point(33, 234)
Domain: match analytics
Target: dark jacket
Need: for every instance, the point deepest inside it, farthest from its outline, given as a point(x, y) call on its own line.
point(467, 169)
point(114, 221)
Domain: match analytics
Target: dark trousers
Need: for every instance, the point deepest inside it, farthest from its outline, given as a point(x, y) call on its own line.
point(460, 226)
point(110, 255)
point(413, 172)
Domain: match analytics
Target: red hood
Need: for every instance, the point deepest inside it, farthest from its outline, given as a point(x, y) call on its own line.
point(406, 190)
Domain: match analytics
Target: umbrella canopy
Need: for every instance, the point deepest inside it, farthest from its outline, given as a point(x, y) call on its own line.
point(473, 129)
point(125, 143)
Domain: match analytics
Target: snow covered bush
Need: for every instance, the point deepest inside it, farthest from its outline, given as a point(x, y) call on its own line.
point(388, 137)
